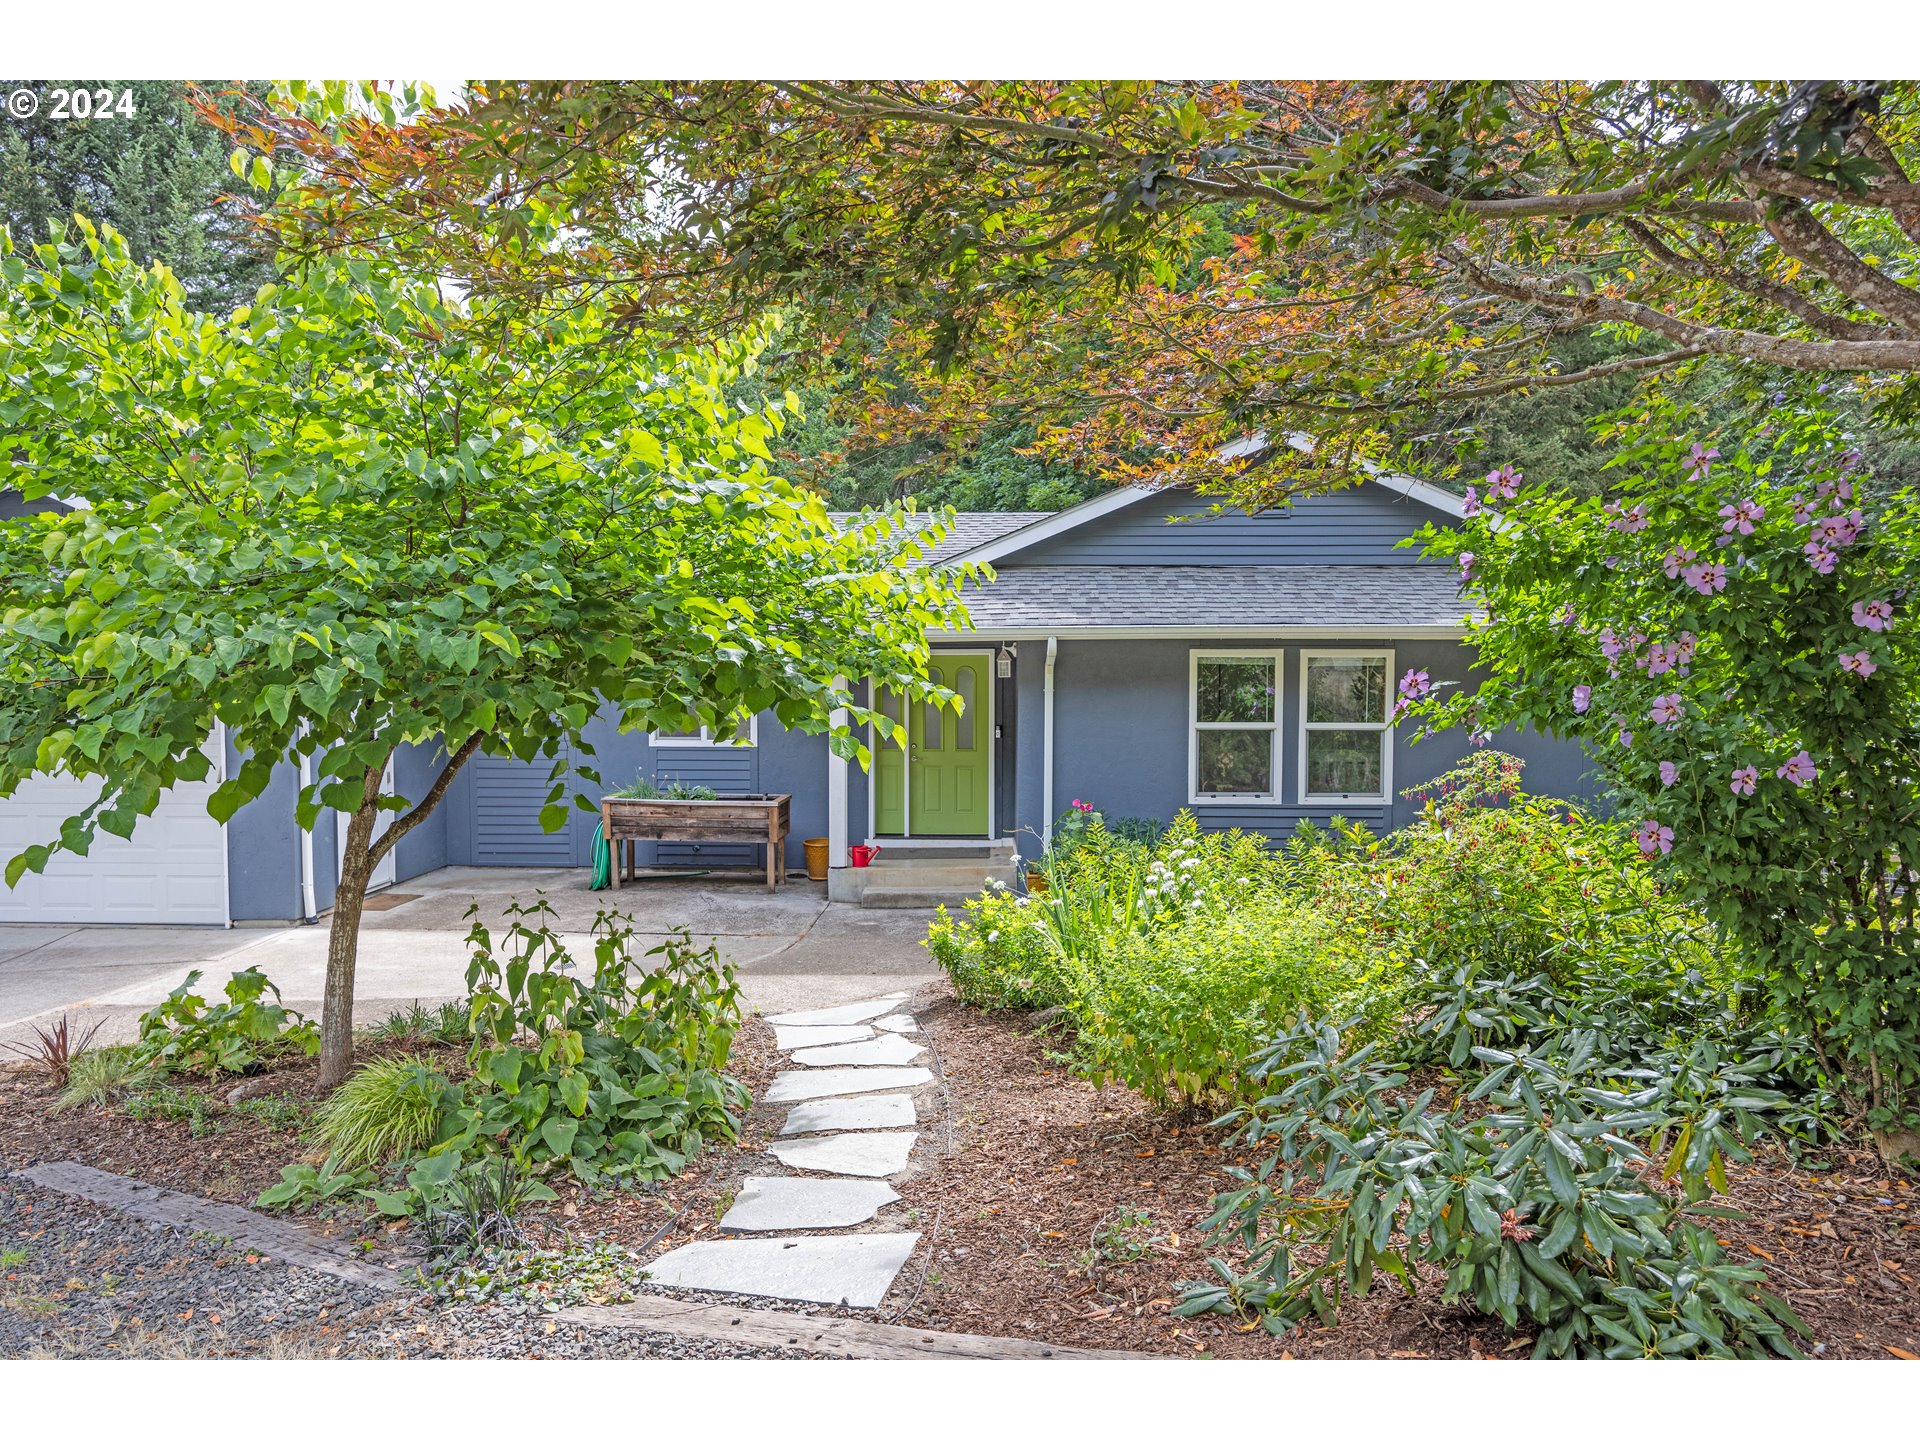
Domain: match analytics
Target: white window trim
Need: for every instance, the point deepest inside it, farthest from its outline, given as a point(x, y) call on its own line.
point(1385, 797)
point(1197, 796)
point(687, 742)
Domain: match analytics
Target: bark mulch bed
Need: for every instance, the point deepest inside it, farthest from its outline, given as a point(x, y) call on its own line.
point(232, 1152)
point(1042, 1160)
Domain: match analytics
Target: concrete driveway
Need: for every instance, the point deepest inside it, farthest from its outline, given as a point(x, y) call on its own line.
point(793, 950)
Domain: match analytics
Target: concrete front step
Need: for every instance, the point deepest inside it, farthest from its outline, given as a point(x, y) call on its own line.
point(890, 899)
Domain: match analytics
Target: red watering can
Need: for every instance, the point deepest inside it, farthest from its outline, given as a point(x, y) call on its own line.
point(862, 855)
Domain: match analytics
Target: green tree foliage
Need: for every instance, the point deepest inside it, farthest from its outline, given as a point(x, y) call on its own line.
point(357, 514)
point(1731, 637)
point(157, 176)
point(1394, 249)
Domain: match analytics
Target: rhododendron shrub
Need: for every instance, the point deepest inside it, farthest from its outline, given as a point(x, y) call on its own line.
point(1731, 634)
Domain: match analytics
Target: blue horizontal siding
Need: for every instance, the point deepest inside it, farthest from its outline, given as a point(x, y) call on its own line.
point(1361, 525)
point(728, 770)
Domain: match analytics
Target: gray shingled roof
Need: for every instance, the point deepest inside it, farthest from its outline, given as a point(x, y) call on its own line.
point(972, 527)
point(1240, 596)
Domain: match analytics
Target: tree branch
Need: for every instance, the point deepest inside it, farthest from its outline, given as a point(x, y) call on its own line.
point(378, 850)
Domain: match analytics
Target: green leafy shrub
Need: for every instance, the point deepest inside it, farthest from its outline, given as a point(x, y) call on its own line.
point(1178, 1012)
point(185, 1032)
point(1532, 1207)
point(999, 956)
point(385, 1110)
point(617, 1073)
point(1511, 883)
point(1731, 637)
point(303, 1186)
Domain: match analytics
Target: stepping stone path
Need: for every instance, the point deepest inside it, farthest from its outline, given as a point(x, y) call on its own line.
point(854, 1116)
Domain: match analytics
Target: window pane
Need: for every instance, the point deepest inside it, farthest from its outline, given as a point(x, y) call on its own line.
point(1347, 689)
point(1235, 762)
point(742, 734)
point(1235, 690)
point(963, 723)
point(1344, 762)
point(930, 713)
point(679, 734)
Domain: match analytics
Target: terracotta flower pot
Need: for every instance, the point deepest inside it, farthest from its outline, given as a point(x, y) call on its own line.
point(1036, 882)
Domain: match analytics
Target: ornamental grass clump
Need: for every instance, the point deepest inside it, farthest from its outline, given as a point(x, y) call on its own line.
point(385, 1110)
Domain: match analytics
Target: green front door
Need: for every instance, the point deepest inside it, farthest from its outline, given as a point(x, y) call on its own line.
point(945, 778)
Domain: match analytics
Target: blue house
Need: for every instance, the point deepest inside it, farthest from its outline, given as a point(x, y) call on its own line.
point(1137, 651)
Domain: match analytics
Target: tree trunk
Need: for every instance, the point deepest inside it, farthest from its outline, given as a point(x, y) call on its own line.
point(343, 939)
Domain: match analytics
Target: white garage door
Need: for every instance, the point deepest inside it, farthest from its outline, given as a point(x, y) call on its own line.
point(171, 871)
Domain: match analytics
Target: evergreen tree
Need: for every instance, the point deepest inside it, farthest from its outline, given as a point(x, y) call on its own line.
point(155, 176)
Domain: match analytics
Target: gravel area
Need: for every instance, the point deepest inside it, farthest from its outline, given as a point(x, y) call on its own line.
point(78, 1280)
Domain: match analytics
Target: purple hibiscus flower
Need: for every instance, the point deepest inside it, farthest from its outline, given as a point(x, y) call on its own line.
point(1744, 779)
point(1653, 837)
point(1799, 769)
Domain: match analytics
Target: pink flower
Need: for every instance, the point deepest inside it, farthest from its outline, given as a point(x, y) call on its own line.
point(1802, 510)
point(1675, 559)
point(1471, 504)
point(1700, 459)
point(1611, 644)
point(1627, 521)
point(1667, 709)
point(1872, 614)
point(1706, 578)
point(1085, 807)
point(1669, 772)
point(1504, 483)
point(1799, 769)
point(1740, 516)
point(1566, 616)
point(1466, 566)
point(1837, 532)
point(1859, 663)
point(1841, 490)
point(1415, 683)
point(1626, 736)
point(1822, 559)
point(1479, 737)
point(1653, 836)
point(1582, 698)
point(1744, 779)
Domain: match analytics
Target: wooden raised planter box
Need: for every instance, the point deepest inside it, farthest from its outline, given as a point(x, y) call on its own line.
point(755, 819)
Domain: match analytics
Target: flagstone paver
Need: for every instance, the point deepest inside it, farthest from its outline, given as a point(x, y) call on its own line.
point(850, 1014)
point(793, 1202)
point(811, 1085)
point(857, 1112)
point(796, 1037)
point(886, 1050)
point(851, 1270)
point(866, 1152)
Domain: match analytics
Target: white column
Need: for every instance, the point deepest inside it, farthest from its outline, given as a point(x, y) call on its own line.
point(1046, 744)
point(837, 838)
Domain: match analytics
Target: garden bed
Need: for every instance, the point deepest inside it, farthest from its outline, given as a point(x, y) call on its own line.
point(1041, 1160)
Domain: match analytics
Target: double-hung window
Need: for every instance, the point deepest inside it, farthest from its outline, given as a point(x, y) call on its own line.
point(1234, 739)
point(746, 733)
point(1346, 729)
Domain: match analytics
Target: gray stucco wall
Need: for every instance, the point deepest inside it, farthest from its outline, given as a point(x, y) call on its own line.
point(1362, 525)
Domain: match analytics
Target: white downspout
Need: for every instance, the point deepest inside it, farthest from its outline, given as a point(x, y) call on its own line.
point(309, 906)
point(837, 838)
point(1046, 743)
